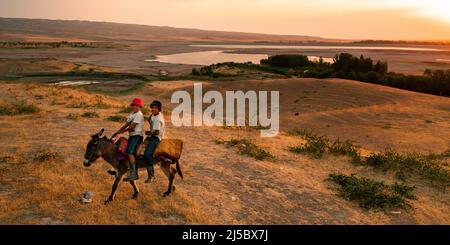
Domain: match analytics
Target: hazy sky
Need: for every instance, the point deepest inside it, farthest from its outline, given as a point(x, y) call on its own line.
point(358, 19)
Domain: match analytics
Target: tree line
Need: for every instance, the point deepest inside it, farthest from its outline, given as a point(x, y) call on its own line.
point(362, 69)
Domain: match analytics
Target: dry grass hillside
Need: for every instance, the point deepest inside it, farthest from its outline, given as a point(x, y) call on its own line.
point(50, 30)
point(43, 65)
point(42, 176)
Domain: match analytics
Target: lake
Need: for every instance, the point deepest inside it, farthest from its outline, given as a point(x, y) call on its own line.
point(443, 60)
point(220, 56)
point(224, 53)
point(74, 83)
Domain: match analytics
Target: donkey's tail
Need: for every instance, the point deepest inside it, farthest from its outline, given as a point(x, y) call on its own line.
point(177, 163)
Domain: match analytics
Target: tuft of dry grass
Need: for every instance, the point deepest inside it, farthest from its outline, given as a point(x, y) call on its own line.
point(72, 116)
point(246, 147)
point(47, 155)
point(84, 105)
point(18, 108)
point(90, 114)
point(116, 118)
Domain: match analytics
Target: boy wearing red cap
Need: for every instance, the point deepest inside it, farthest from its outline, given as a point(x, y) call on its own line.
point(135, 126)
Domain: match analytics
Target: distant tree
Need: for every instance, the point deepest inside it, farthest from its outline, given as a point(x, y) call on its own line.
point(427, 72)
point(380, 67)
point(287, 60)
point(345, 63)
point(195, 72)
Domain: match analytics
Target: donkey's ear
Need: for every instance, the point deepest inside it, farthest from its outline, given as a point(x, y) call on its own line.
point(97, 135)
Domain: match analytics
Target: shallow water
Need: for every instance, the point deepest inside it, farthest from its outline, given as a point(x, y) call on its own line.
point(220, 56)
point(317, 58)
point(74, 83)
point(213, 57)
point(443, 60)
point(208, 58)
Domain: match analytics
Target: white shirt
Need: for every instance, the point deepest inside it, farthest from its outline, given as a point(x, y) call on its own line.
point(157, 123)
point(138, 118)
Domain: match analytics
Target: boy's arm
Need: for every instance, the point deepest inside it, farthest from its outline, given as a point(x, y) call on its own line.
point(150, 123)
point(155, 133)
point(124, 128)
point(132, 126)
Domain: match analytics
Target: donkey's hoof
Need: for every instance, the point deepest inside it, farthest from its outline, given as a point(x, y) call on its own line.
point(166, 193)
point(173, 188)
point(135, 196)
point(109, 200)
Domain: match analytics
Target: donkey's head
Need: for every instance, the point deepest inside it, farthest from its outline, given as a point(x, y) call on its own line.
point(92, 150)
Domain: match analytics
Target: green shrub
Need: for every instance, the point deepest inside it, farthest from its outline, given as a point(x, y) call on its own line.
point(195, 72)
point(371, 194)
point(316, 146)
point(426, 166)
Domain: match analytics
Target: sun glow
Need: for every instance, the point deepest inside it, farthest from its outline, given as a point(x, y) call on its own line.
point(439, 9)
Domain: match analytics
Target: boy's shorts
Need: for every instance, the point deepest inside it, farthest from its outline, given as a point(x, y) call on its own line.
point(133, 143)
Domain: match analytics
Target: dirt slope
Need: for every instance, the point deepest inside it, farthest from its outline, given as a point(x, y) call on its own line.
point(220, 185)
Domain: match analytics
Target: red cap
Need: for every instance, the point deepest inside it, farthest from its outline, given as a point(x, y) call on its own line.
point(137, 101)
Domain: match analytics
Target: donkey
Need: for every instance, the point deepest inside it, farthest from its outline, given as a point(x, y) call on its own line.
point(105, 148)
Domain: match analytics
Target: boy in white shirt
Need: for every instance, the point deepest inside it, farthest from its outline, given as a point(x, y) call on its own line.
point(157, 126)
point(135, 126)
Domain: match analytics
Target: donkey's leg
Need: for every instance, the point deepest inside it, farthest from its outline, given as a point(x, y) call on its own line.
point(173, 172)
point(169, 172)
point(114, 188)
point(135, 188)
